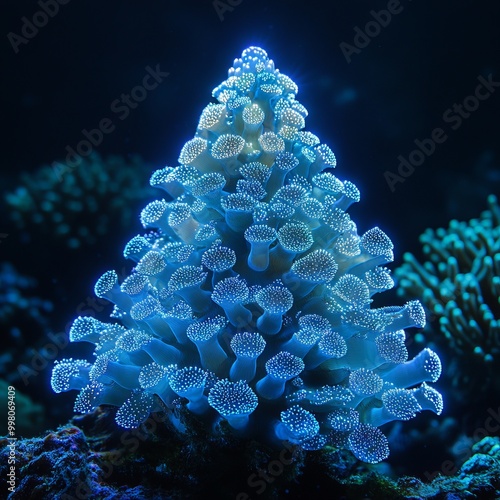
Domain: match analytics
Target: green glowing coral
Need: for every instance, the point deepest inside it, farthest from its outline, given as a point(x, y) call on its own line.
point(460, 282)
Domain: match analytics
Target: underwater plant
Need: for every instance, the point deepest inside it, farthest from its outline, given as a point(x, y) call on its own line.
point(81, 205)
point(251, 294)
point(459, 283)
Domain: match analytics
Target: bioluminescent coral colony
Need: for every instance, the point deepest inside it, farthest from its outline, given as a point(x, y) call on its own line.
point(250, 296)
point(459, 282)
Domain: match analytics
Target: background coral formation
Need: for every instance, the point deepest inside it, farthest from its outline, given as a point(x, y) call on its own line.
point(19, 304)
point(79, 205)
point(459, 283)
point(24, 318)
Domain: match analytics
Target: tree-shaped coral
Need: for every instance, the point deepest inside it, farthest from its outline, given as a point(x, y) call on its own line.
point(251, 293)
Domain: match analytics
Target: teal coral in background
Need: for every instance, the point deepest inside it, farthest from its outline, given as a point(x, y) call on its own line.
point(459, 283)
point(82, 204)
point(251, 293)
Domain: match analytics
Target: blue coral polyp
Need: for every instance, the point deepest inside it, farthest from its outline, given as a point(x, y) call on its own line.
point(251, 294)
